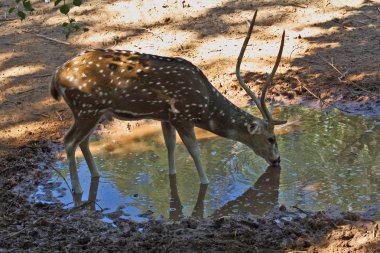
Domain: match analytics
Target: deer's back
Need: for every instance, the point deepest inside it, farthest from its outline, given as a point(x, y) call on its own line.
point(134, 85)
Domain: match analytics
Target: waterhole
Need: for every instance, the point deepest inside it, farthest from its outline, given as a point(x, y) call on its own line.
point(329, 160)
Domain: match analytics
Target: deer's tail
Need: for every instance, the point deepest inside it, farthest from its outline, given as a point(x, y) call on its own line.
point(54, 90)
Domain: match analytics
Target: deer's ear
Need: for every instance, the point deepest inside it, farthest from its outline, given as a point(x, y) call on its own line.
point(254, 127)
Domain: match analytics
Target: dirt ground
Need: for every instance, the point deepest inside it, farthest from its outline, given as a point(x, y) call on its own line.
point(331, 59)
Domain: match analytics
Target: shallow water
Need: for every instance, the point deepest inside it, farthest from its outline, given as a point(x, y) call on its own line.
point(328, 160)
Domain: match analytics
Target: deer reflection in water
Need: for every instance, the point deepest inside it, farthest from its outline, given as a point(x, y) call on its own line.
point(176, 208)
point(258, 199)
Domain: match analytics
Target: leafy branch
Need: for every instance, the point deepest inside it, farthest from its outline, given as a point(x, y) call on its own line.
point(22, 7)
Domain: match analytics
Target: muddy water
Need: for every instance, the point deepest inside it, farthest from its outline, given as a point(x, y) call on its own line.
point(328, 160)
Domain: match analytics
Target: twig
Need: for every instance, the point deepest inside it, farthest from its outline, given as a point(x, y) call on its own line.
point(60, 174)
point(48, 38)
point(52, 39)
point(290, 56)
point(332, 65)
point(303, 6)
point(7, 19)
point(303, 86)
point(20, 231)
point(59, 115)
point(40, 114)
point(369, 16)
point(150, 31)
point(299, 209)
point(25, 91)
point(365, 90)
point(42, 75)
point(343, 76)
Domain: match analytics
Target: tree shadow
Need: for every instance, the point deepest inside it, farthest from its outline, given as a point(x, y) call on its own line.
point(345, 55)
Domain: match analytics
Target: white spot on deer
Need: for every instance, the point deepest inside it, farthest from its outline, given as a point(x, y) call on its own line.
point(139, 70)
point(84, 75)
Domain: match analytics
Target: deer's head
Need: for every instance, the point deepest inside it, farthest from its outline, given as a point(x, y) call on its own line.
point(261, 131)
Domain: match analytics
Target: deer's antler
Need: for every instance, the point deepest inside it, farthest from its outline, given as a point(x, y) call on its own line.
point(260, 104)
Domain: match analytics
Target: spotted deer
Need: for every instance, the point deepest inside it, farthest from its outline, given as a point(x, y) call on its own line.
point(132, 86)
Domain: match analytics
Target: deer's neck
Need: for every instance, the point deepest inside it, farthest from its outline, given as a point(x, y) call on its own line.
point(228, 120)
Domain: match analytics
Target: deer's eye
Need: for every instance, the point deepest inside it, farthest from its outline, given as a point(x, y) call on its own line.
point(271, 140)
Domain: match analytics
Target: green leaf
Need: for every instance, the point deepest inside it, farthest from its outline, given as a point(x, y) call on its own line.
point(21, 14)
point(56, 2)
point(11, 10)
point(77, 2)
point(27, 6)
point(70, 28)
point(64, 9)
point(17, 1)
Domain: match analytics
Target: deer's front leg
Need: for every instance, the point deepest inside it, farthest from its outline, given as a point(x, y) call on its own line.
point(186, 132)
point(169, 135)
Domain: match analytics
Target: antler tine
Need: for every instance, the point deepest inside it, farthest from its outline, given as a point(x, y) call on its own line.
point(268, 83)
point(240, 58)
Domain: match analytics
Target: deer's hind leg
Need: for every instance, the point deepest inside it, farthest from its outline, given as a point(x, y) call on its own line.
point(79, 133)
